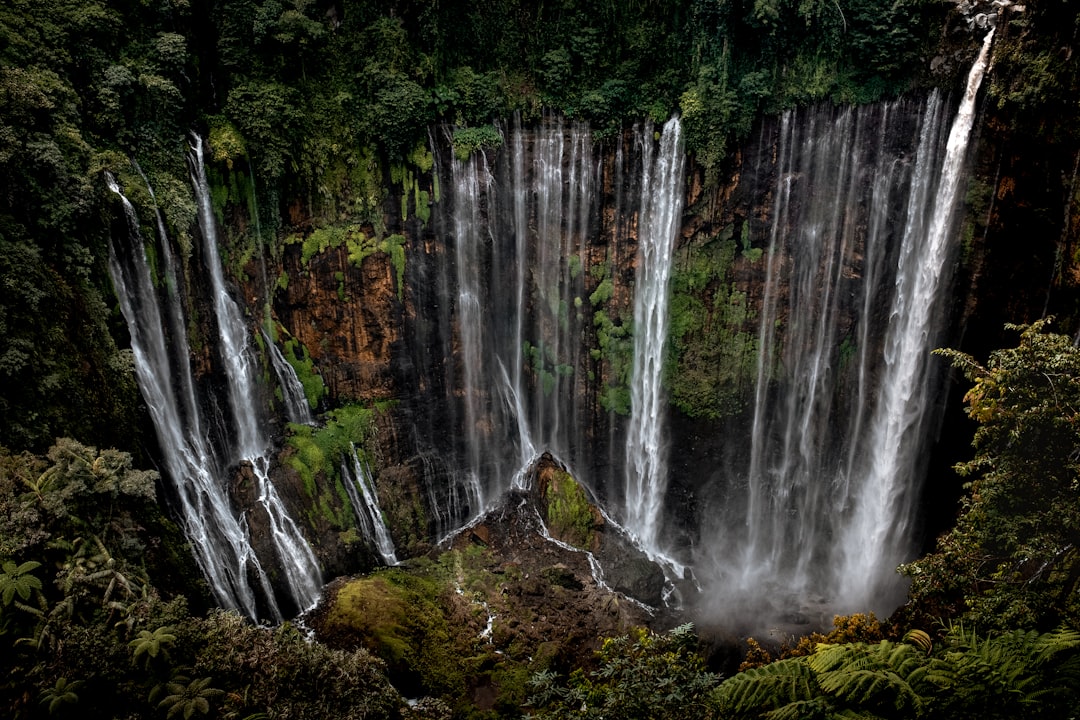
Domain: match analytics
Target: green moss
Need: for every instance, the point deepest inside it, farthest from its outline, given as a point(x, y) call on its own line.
point(394, 246)
point(712, 358)
point(366, 191)
point(359, 245)
point(396, 615)
point(320, 240)
point(616, 348)
point(602, 293)
point(422, 158)
point(340, 277)
point(848, 348)
point(752, 254)
point(282, 281)
point(567, 511)
point(423, 204)
point(574, 263)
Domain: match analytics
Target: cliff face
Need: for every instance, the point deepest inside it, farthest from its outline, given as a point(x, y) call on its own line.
point(541, 363)
point(481, 310)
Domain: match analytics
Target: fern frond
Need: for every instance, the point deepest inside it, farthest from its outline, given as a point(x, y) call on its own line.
point(855, 714)
point(801, 710)
point(769, 687)
point(873, 688)
point(920, 639)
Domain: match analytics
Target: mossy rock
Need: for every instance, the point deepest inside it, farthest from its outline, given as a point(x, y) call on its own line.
point(562, 576)
point(397, 616)
point(569, 515)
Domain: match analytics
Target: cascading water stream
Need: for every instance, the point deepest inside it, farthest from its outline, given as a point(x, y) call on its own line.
point(659, 220)
point(297, 408)
point(853, 280)
point(299, 564)
point(515, 226)
point(877, 531)
point(468, 178)
point(524, 226)
point(217, 536)
point(366, 505)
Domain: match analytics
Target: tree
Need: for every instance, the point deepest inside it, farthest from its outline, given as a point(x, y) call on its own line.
point(1013, 558)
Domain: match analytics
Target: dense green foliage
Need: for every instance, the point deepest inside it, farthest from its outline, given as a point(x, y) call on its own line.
point(1013, 559)
point(398, 616)
point(1017, 674)
point(712, 360)
point(313, 110)
point(640, 676)
point(317, 454)
point(87, 562)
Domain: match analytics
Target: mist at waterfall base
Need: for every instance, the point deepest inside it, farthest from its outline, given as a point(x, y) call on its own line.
point(822, 511)
point(543, 321)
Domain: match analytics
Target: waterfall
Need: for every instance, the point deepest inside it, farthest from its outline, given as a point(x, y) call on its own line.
point(297, 408)
point(518, 226)
point(858, 254)
point(218, 538)
point(877, 532)
point(659, 221)
point(300, 567)
point(471, 177)
point(366, 505)
point(537, 268)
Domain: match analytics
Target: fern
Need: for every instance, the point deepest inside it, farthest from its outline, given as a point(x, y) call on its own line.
point(802, 710)
point(769, 687)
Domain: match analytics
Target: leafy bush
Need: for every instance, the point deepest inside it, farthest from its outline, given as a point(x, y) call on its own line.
point(1012, 559)
point(395, 615)
point(470, 139)
point(642, 675)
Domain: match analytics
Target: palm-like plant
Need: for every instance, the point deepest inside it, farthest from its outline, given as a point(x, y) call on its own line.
point(784, 687)
point(17, 580)
point(60, 694)
point(1019, 674)
point(152, 645)
point(186, 697)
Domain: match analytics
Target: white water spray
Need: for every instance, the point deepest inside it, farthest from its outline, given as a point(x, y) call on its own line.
point(366, 505)
point(218, 538)
point(658, 223)
point(877, 533)
point(298, 562)
point(297, 408)
point(859, 251)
